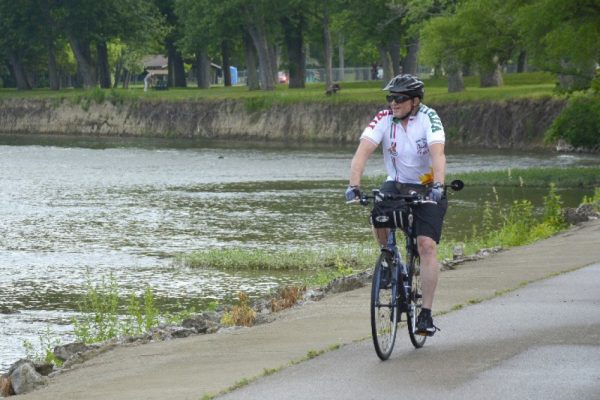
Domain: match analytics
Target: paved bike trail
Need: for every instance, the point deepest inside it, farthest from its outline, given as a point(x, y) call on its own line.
point(539, 342)
point(192, 367)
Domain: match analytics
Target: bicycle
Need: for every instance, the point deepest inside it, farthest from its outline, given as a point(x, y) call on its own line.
point(396, 288)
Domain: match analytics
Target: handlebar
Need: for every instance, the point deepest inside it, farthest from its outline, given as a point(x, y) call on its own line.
point(412, 197)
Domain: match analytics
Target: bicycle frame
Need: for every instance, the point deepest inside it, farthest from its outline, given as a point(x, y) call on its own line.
point(402, 292)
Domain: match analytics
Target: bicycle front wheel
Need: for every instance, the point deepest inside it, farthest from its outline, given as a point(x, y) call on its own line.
point(384, 311)
point(416, 302)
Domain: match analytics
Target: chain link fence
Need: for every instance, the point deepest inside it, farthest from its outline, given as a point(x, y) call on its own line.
point(351, 74)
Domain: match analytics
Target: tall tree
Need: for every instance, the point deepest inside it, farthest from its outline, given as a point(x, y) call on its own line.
point(327, 43)
point(257, 15)
point(49, 26)
point(176, 68)
point(91, 25)
point(198, 21)
point(563, 37)
point(481, 32)
point(441, 46)
point(210, 28)
point(379, 26)
point(251, 58)
point(20, 39)
point(294, 25)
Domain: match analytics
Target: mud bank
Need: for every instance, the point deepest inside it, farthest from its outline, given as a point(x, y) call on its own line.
point(508, 124)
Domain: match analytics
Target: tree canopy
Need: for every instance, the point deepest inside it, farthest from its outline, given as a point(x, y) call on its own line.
point(60, 43)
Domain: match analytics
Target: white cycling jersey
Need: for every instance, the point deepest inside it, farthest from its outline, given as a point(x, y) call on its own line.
point(406, 152)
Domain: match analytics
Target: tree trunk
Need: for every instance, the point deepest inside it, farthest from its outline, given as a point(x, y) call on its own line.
point(455, 77)
point(126, 79)
point(410, 64)
point(119, 70)
point(53, 74)
point(573, 77)
point(225, 63)
point(273, 57)
point(19, 72)
point(341, 57)
point(386, 63)
point(203, 69)
point(327, 46)
point(103, 68)
point(456, 82)
point(293, 34)
point(251, 70)
point(522, 62)
point(77, 79)
point(491, 78)
point(394, 49)
point(85, 66)
point(437, 71)
point(176, 70)
point(259, 38)
point(467, 69)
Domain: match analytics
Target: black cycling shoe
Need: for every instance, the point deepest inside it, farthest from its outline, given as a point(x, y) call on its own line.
point(425, 326)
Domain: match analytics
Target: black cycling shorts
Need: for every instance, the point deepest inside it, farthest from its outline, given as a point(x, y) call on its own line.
point(428, 218)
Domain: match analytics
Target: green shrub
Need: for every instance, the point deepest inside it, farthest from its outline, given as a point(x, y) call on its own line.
point(44, 352)
point(99, 306)
point(596, 82)
point(517, 224)
point(579, 123)
point(258, 104)
point(553, 211)
point(116, 98)
point(593, 200)
point(105, 316)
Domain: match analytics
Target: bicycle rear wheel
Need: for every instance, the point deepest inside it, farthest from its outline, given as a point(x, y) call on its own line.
point(416, 302)
point(384, 313)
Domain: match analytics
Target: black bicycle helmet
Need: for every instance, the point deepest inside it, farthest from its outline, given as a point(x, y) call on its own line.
point(407, 84)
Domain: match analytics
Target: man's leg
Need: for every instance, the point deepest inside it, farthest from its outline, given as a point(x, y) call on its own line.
point(381, 235)
point(429, 269)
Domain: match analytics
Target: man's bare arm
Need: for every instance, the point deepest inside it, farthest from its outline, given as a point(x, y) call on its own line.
point(438, 160)
point(359, 161)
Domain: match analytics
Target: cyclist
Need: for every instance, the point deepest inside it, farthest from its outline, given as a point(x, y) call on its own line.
point(412, 139)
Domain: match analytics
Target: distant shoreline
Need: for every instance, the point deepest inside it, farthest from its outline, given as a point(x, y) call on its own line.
point(513, 124)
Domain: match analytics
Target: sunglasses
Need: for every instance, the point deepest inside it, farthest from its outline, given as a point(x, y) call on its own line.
point(398, 98)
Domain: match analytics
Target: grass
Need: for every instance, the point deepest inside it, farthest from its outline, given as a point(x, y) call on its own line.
point(572, 177)
point(532, 177)
point(526, 85)
point(517, 225)
point(300, 260)
point(322, 267)
point(104, 315)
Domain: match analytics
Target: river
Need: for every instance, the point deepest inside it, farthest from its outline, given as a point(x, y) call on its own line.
point(73, 208)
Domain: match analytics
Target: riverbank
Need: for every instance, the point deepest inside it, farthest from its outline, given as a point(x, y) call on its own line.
point(203, 365)
point(516, 123)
